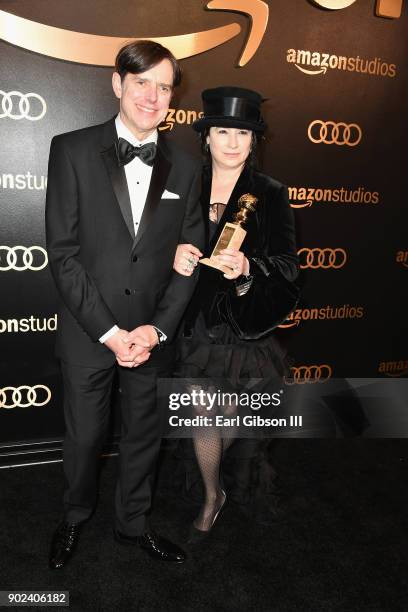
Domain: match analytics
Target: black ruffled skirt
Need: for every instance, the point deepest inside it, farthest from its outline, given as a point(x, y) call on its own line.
point(219, 353)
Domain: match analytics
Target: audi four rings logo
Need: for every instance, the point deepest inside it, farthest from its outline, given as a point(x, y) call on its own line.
point(322, 258)
point(24, 396)
point(309, 374)
point(16, 105)
point(329, 132)
point(22, 258)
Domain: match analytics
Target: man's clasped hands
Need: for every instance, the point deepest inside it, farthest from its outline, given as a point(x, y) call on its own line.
point(133, 348)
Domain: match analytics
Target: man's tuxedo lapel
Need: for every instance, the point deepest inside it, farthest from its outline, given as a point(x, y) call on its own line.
point(161, 169)
point(117, 174)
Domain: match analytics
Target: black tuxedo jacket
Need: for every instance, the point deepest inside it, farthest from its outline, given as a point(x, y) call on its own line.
point(105, 274)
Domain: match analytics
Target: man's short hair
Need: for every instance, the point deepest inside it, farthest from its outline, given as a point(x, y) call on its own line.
point(141, 55)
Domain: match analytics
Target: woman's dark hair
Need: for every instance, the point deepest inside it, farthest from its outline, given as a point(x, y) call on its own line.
point(139, 56)
point(251, 160)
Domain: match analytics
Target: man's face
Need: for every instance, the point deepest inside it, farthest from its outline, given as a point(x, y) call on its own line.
point(144, 98)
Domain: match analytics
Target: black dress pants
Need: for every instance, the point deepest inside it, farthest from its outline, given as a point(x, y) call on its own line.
point(87, 393)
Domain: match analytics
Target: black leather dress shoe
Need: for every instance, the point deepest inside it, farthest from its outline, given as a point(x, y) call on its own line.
point(63, 544)
point(156, 546)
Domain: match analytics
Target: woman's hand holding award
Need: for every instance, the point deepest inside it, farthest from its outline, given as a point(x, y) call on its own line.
point(233, 234)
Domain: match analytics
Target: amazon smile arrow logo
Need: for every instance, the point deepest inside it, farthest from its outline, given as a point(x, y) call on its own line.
point(306, 71)
point(101, 50)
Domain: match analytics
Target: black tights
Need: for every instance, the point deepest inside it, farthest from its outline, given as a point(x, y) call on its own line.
point(209, 450)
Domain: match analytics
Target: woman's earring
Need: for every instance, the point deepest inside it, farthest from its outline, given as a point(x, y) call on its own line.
point(206, 147)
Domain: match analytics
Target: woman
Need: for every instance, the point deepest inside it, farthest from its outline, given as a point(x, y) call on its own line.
point(226, 331)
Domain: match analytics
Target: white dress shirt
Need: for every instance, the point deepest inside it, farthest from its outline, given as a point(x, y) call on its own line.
point(138, 176)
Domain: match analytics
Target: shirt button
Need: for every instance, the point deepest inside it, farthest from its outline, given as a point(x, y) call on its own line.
point(134, 258)
point(127, 291)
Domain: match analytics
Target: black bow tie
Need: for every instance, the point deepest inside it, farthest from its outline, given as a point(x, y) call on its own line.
point(126, 152)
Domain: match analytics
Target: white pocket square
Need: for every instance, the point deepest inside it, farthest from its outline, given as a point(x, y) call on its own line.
point(168, 195)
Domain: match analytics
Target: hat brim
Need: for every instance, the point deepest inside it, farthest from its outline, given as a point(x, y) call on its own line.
point(206, 122)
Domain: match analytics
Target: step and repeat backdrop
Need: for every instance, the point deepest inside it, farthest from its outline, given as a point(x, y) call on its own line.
point(333, 73)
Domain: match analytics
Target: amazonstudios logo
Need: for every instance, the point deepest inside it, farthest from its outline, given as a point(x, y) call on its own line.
point(326, 313)
point(28, 324)
point(302, 197)
point(179, 117)
point(314, 63)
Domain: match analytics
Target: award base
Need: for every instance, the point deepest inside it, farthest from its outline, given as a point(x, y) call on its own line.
point(231, 237)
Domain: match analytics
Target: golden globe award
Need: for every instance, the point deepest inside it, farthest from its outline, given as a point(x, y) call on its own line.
point(233, 234)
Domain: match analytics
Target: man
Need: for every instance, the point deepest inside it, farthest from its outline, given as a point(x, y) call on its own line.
point(117, 206)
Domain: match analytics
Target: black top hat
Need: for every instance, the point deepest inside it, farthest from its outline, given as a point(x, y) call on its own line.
point(231, 107)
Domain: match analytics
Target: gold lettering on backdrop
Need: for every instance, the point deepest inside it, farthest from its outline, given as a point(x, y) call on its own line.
point(301, 197)
point(101, 50)
point(346, 311)
point(180, 116)
point(383, 8)
point(323, 61)
point(393, 368)
point(402, 258)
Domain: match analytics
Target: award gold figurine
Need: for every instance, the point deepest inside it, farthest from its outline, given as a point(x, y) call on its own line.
point(233, 234)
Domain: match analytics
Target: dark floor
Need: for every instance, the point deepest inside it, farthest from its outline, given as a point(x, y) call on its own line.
point(343, 547)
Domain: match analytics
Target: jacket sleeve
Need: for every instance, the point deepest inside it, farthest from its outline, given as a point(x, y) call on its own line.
point(277, 255)
point(180, 288)
point(62, 215)
point(274, 266)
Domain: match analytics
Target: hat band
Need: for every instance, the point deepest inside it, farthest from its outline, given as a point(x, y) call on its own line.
point(237, 108)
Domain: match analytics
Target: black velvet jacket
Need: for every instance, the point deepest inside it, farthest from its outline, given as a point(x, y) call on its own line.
point(270, 247)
